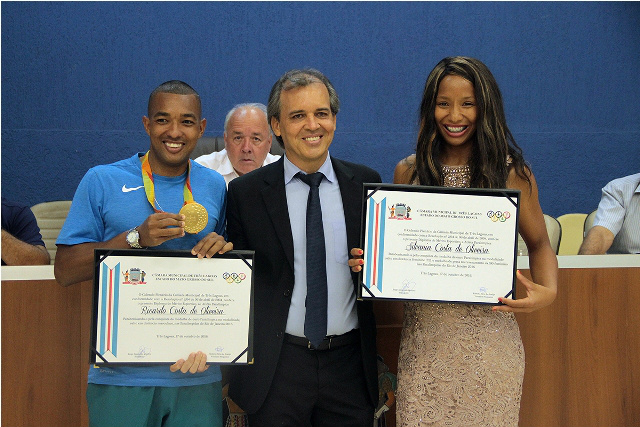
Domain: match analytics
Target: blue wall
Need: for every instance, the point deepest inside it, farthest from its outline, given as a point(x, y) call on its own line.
point(76, 78)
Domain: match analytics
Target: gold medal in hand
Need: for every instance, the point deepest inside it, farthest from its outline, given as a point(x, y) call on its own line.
point(195, 217)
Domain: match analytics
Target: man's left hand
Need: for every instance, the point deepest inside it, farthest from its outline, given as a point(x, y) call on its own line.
point(212, 244)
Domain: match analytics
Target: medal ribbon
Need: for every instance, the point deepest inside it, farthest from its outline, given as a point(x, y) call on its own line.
point(149, 188)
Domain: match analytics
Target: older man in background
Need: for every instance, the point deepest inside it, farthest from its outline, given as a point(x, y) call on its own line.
point(616, 228)
point(247, 141)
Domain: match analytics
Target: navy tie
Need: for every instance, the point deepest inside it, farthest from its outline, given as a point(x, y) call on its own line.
point(315, 322)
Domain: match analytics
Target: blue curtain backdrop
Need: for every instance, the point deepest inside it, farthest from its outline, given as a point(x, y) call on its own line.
point(76, 78)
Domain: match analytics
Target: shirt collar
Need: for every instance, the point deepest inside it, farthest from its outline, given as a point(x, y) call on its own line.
point(290, 170)
point(225, 167)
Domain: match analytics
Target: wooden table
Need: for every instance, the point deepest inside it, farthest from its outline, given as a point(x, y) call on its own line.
point(582, 352)
point(46, 330)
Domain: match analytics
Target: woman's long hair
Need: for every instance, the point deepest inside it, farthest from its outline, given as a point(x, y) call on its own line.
point(492, 142)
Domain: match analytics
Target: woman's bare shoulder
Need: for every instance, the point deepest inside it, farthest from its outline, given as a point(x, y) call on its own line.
point(519, 183)
point(404, 169)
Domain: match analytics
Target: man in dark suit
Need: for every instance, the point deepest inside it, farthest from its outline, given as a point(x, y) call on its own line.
point(298, 380)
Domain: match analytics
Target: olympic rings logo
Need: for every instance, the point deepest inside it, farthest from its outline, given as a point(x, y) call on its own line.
point(498, 216)
point(234, 277)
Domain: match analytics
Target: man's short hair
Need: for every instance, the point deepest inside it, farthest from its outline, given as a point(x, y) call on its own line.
point(245, 106)
point(176, 87)
point(299, 78)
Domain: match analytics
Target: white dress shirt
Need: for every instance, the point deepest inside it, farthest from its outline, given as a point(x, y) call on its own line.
point(619, 212)
point(219, 162)
point(341, 309)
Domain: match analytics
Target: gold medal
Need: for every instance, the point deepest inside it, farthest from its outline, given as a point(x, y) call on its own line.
point(195, 217)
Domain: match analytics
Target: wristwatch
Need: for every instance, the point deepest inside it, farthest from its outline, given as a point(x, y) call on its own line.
point(133, 237)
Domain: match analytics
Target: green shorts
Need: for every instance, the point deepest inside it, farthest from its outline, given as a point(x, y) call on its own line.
point(119, 406)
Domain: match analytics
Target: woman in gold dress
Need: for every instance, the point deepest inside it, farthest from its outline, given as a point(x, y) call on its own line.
point(463, 364)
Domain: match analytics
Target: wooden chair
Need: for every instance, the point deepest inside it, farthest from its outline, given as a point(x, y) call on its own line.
point(572, 233)
point(554, 231)
point(50, 217)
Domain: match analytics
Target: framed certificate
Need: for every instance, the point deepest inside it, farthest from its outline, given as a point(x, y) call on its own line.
point(439, 243)
point(160, 306)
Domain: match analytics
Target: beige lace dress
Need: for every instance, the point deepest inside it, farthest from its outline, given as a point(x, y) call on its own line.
point(459, 364)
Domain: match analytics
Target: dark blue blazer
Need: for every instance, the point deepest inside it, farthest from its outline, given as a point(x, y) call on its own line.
point(258, 219)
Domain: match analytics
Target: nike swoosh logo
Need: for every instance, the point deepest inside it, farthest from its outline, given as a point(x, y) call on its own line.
point(126, 190)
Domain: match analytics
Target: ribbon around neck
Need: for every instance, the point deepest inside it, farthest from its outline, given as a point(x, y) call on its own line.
point(149, 188)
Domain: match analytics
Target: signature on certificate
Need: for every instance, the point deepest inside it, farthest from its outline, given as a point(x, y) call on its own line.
point(407, 285)
point(142, 351)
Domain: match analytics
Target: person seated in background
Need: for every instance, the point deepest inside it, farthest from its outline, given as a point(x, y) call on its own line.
point(247, 141)
point(616, 229)
point(21, 240)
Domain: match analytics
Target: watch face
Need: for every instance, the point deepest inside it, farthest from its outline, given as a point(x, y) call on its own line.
point(132, 238)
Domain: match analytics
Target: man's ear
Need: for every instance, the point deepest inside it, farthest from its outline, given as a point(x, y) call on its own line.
point(275, 125)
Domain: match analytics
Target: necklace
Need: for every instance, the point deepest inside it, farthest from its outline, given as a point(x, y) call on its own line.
point(158, 204)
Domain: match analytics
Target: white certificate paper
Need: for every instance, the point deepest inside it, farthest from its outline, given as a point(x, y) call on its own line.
point(160, 306)
point(439, 244)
